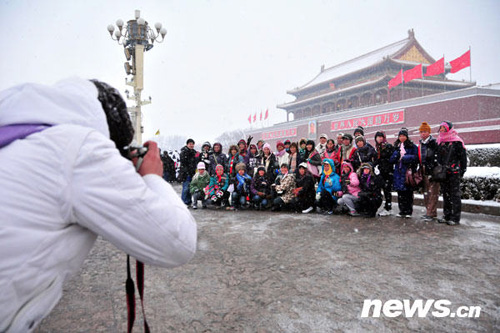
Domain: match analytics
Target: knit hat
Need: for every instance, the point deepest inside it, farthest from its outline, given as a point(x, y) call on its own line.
point(287, 142)
point(424, 127)
point(121, 131)
point(359, 129)
point(201, 165)
point(266, 145)
point(403, 131)
point(189, 141)
point(261, 168)
point(219, 166)
point(347, 136)
point(360, 138)
point(252, 146)
point(242, 142)
point(279, 143)
point(323, 136)
point(241, 166)
point(303, 165)
point(447, 125)
point(206, 143)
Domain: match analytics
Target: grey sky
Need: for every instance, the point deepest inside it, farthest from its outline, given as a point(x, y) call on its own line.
point(224, 60)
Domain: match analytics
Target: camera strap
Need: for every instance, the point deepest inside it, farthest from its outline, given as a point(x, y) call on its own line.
point(130, 290)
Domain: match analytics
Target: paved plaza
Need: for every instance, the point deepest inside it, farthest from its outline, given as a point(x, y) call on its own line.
point(285, 272)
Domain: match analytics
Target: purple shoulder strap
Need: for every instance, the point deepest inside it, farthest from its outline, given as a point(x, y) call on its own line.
point(11, 133)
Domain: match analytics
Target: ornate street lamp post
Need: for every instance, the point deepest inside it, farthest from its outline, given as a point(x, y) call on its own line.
point(136, 37)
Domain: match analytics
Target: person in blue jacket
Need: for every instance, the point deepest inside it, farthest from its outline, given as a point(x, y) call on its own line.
point(405, 156)
point(328, 186)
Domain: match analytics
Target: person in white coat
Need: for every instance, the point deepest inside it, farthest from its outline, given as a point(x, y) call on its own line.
point(65, 185)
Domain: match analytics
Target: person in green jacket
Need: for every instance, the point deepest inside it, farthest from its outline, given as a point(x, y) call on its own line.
point(197, 187)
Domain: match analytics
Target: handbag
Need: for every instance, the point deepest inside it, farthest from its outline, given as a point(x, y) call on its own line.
point(439, 173)
point(440, 170)
point(413, 178)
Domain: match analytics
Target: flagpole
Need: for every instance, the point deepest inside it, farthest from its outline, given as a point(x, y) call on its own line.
point(422, 82)
point(403, 82)
point(470, 67)
point(444, 74)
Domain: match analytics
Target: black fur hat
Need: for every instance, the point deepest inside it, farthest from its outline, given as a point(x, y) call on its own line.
point(121, 131)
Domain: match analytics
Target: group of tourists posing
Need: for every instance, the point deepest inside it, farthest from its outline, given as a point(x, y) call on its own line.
point(343, 176)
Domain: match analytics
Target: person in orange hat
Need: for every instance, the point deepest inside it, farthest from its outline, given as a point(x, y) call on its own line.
point(427, 149)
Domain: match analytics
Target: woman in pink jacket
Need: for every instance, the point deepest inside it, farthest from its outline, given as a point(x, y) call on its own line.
point(350, 188)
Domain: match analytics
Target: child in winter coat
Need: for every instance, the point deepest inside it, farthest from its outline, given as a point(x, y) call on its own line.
point(241, 187)
point(198, 184)
point(260, 189)
point(370, 197)
point(217, 189)
point(328, 186)
point(348, 193)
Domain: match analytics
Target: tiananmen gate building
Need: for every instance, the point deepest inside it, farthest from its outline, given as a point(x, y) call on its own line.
point(356, 93)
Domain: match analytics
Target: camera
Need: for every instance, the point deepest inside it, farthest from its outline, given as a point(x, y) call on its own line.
point(133, 152)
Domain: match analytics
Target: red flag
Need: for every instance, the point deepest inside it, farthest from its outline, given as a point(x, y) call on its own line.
point(267, 114)
point(414, 73)
point(396, 81)
point(332, 86)
point(460, 63)
point(260, 115)
point(250, 119)
point(436, 68)
point(255, 117)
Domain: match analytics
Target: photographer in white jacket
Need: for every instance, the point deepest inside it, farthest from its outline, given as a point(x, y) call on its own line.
point(65, 185)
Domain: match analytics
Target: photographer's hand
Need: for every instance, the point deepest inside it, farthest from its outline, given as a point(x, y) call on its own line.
point(152, 162)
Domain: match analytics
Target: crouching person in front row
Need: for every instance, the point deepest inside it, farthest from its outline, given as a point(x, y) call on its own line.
point(260, 188)
point(328, 186)
point(197, 187)
point(348, 194)
point(241, 187)
point(304, 192)
point(284, 190)
point(217, 189)
point(370, 196)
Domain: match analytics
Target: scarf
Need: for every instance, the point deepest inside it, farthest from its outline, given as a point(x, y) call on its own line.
point(280, 153)
point(231, 165)
point(345, 149)
point(449, 136)
point(241, 181)
point(366, 179)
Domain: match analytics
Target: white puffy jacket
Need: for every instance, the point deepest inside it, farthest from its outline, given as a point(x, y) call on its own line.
point(62, 187)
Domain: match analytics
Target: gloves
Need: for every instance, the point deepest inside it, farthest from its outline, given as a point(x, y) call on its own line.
point(219, 194)
point(318, 196)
